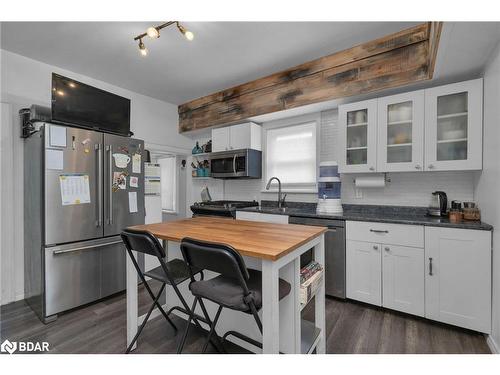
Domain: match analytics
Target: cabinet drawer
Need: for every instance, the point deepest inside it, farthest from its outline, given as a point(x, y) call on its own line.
point(395, 234)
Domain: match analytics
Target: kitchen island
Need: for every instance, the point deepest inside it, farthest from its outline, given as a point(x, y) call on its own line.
point(275, 249)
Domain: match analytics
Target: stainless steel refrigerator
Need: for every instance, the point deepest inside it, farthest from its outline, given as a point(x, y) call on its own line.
point(81, 188)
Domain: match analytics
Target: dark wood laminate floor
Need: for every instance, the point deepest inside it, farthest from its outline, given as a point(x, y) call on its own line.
point(351, 328)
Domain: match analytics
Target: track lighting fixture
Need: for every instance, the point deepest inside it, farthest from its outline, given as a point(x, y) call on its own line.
point(142, 48)
point(154, 33)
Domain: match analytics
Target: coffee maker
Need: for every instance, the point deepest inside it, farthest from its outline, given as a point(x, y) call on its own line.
point(439, 204)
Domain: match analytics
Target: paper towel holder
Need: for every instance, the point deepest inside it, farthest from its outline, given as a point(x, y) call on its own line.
point(386, 178)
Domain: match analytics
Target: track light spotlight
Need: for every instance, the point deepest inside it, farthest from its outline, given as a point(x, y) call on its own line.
point(142, 48)
point(187, 34)
point(153, 32)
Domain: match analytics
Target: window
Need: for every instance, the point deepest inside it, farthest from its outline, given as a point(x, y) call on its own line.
point(291, 155)
point(168, 183)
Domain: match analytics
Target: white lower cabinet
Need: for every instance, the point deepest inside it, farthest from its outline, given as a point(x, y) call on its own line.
point(446, 277)
point(403, 281)
point(385, 265)
point(364, 272)
point(458, 277)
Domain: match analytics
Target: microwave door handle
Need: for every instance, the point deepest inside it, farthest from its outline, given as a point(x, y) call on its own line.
point(234, 164)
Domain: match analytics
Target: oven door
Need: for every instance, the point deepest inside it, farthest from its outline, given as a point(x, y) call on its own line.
point(229, 164)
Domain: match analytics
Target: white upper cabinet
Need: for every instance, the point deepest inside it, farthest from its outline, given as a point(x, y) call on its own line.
point(401, 132)
point(247, 135)
point(358, 132)
point(220, 139)
point(454, 126)
point(437, 129)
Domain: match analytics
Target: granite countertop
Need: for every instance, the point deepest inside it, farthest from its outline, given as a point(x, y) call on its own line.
point(375, 213)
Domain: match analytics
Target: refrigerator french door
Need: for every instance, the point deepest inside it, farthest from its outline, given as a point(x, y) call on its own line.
point(77, 155)
point(123, 203)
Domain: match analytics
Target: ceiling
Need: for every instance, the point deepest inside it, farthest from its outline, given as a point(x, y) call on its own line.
point(223, 54)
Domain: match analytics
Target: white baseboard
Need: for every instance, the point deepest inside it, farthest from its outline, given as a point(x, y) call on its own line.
point(494, 347)
point(19, 297)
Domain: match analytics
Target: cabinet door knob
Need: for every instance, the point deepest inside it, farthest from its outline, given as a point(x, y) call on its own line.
point(375, 247)
point(417, 166)
point(431, 166)
point(387, 248)
point(372, 168)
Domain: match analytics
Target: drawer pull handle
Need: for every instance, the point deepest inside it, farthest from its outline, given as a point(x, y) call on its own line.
point(379, 231)
point(375, 247)
point(387, 248)
point(430, 266)
point(56, 252)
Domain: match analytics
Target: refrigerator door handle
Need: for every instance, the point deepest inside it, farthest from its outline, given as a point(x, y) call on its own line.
point(109, 148)
point(86, 247)
point(99, 184)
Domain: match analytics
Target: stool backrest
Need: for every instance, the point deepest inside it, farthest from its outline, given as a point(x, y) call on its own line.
point(142, 242)
point(215, 257)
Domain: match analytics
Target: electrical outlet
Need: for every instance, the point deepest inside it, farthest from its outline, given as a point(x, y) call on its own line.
point(358, 193)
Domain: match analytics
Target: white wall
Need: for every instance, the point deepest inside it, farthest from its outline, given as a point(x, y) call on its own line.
point(405, 189)
point(488, 182)
point(25, 82)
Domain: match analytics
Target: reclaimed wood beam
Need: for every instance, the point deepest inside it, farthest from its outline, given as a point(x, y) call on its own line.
point(394, 60)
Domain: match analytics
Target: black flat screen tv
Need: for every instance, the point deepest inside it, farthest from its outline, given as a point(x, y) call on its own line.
point(75, 103)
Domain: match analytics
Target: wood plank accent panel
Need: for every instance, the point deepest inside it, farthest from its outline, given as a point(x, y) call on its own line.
point(394, 60)
point(250, 238)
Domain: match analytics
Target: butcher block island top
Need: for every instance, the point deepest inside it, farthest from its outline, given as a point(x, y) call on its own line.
point(254, 239)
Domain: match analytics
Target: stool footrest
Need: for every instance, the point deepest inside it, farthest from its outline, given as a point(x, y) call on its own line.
point(184, 311)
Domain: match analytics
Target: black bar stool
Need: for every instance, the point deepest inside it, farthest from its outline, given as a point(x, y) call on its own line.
point(236, 288)
point(172, 273)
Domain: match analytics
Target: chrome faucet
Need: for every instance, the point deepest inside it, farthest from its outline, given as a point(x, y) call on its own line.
point(281, 200)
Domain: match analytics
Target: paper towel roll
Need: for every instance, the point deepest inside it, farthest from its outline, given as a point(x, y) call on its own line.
point(370, 182)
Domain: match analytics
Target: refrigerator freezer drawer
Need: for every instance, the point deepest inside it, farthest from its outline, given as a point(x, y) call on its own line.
point(83, 272)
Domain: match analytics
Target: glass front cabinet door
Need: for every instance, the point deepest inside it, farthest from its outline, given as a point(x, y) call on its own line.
point(358, 132)
point(454, 126)
point(401, 132)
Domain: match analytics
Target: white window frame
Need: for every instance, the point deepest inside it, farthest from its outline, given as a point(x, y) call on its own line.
point(155, 157)
point(292, 121)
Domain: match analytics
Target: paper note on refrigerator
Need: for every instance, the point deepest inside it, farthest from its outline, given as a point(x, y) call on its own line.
point(132, 202)
point(136, 163)
point(74, 189)
point(57, 136)
point(54, 159)
point(134, 181)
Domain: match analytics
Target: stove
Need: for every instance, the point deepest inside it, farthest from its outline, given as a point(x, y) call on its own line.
point(220, 208)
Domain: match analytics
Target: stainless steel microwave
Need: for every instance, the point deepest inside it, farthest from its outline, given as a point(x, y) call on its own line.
point(244, 163)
